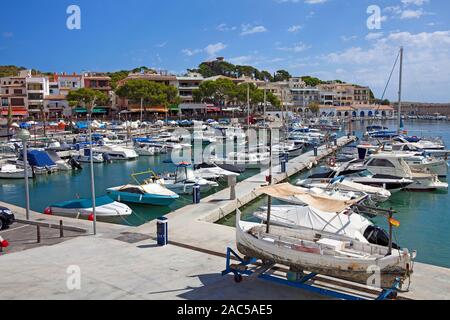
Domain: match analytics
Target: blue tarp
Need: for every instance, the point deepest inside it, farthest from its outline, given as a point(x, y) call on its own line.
point(40, 159)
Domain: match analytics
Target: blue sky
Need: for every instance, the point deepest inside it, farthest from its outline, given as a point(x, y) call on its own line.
point(325, 38)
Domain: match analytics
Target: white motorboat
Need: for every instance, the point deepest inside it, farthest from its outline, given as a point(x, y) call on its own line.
point(184, 180)
point(324, 253)
point(146, 150)
point(115, 152)
point(376, 194)
point(212, 172)
point(83, 208)
point(10, 171)
point(85, 157)
point(417, 160)
point(250, 160)
point(395, 165)
point(422, 144)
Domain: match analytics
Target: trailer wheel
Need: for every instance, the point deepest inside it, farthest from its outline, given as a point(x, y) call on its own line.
point(238, 278)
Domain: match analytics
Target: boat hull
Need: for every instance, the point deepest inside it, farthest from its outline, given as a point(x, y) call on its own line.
point(305, 259)
point(156, 200)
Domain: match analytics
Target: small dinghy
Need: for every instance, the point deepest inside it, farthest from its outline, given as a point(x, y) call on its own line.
point(10, 171)
point(83, 208)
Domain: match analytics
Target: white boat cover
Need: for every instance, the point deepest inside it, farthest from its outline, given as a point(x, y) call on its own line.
point(150, 188)
point(352, 225)
point(297, 195)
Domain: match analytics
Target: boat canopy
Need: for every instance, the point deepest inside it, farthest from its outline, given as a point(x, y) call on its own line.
point(83, 203)
point(297, 195)
point(307, 217)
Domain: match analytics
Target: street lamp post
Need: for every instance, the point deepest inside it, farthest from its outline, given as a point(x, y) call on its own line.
point(91, 154)
point(24, 135)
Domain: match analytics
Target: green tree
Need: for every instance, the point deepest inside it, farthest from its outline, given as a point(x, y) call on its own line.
point(311, 81)
point(149, 92)
point(281, 75)
point(87, 98)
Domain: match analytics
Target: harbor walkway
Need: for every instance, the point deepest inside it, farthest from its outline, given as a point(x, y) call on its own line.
point(123, 262)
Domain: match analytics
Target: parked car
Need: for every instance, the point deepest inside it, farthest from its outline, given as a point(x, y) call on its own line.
point(6, 218)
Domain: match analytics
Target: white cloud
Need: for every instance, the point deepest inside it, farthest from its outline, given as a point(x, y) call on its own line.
point(248, 29)
point(305, 1)
point(411, 14)
point(241, 60)
point(7, 34)
point(298, 47)
point(295, 28)
point(190, 52)
point(374, 36)
point(213, 49)
point(416, 2)
point(223, 27)
point(348, 38)
point(315, 1)
point(426, 64)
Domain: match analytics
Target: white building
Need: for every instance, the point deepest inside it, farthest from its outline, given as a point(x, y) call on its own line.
point(187, 84)
point(37, 89)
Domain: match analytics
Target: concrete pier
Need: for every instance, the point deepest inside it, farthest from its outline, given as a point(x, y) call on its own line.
point(124, 262)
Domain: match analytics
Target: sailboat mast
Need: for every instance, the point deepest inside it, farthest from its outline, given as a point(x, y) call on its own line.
point(248, 106)
point(399, 111)
point(265, 104)
point(269, 198)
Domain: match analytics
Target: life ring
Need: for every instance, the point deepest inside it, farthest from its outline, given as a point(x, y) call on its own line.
point(332, 162)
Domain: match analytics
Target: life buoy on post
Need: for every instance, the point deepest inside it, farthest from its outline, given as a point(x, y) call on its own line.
point(332, 162)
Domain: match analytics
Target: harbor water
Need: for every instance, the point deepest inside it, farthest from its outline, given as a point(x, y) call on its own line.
point(424, 217)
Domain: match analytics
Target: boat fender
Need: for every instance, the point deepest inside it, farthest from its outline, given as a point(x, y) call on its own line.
point(48, 211)
point(332, 162)
point(3, 243)
point(91, 217)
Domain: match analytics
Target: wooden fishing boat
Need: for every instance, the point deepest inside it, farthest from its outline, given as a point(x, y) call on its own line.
point(324, 253)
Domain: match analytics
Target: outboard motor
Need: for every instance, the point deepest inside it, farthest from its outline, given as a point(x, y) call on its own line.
point(75, 164)
point(377, 235)
point(106, 157)
point(362, 152)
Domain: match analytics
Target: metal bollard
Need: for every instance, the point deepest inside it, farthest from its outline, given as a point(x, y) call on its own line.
point(232, 185)
point(38, 230)
point(283, 166)
point(316, 152)
point(61, 229)
point(162, 231)
point(196, 196)
point(335, 142)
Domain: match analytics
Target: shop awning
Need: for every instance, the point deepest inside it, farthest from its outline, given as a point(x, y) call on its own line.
point(174, 107)
point(99, 110)
point(80, 110)
point(15, 111)
point(161, 109)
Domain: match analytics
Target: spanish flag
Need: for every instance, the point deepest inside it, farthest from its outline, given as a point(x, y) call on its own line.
point(394, 222)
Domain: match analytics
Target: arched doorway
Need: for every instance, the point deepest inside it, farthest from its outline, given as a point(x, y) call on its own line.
point(362, 114)
point(370, 114)
point(339, 114)
point(354, 114)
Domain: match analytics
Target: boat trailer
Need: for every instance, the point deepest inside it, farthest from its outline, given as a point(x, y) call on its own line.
point(251, 268)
